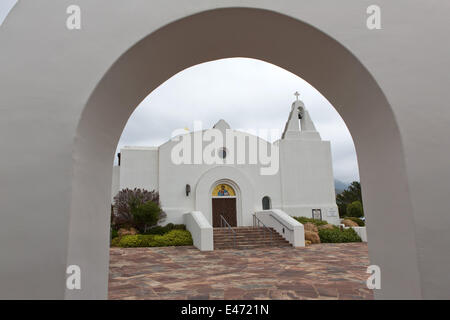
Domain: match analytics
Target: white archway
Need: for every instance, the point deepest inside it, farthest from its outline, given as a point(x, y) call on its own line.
point(67, 95)
point(216, 34)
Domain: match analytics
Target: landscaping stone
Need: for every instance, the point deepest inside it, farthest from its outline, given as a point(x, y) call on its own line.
point(349, 223)
point(310, 227)
point(126, 232)
point(312, 236)
point(326, 227)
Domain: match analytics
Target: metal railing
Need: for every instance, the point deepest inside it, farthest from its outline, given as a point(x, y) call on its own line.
point(258, 223)
point(290, 229)
point(223, 223)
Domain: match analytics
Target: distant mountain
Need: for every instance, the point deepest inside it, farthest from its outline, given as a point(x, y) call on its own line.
point(340, 186)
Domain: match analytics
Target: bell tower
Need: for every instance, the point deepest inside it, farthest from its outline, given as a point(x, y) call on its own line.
point(299, 125)
point(306, 172)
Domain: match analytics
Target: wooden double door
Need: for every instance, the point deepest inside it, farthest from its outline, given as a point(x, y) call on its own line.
point(225, 207)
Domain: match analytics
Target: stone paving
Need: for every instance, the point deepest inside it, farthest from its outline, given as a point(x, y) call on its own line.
point(321, 271)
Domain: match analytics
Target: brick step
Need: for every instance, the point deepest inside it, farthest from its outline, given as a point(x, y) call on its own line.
point(245, 233)
point(229, 235)
point(240, 228)
point(251, 230)
point(247, 238)
point(248, 246)
point(251, 243)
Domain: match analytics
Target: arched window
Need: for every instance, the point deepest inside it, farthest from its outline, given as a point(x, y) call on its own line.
point(266, 203)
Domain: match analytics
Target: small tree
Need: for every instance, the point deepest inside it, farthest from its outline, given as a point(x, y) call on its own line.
point(128, 201)
point(146, 215)
point(346, 197)
point(355, 209)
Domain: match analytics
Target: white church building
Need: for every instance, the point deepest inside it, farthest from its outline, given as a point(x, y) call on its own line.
point(242, 174)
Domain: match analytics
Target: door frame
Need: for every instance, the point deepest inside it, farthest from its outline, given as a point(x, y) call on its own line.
point(223, 198)
point(238, 198)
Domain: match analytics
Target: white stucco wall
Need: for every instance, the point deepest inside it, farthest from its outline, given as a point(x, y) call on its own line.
point(115, 182)
point(289, 228)
point(307, 180)
point(362, 233)
point(139, 168)
point(302, 178)
point(200, 229)
point(174, 177)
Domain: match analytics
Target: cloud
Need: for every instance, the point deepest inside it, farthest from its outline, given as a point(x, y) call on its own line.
point(5, 8)
point(248, 94)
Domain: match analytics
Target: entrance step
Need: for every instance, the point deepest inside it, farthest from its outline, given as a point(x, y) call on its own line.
point(247, 238)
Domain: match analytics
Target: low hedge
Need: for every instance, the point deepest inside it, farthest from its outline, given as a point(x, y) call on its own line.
point(360, 222)
point(304, 220)
point(160, 230)
point(115, 242)
point(172, 238)
point(336, 235)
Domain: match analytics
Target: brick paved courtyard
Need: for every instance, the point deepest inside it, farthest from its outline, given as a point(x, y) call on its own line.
point(323, 271)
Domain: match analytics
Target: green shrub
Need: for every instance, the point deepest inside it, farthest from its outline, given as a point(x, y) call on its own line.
point(160, 230)
point(360, 222)
point(336, 235)
point(114, 233)
point(115, 242)
point(172, 238)
point(304, 220)
point(145, 215)
point(355, 209)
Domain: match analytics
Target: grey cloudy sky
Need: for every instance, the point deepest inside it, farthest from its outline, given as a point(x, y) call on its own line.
point(5, 6)
point(248, 94)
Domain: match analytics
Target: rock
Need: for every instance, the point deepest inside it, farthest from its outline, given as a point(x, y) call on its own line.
point(326, 227)
point(126, 232)
point(312, 236)
point(310, 227)
point(349, 223)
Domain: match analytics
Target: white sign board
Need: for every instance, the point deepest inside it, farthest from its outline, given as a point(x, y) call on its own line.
point(332, 212)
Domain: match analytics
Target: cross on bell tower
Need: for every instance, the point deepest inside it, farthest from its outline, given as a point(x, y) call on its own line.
point(296, 94)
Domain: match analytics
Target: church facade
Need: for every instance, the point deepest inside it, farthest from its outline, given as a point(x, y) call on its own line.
point(231, 173)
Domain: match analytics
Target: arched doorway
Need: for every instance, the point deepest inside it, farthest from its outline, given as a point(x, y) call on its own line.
point(224, 205)
point(226, 33)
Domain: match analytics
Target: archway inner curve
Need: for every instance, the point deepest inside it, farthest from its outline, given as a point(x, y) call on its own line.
point(267, 36)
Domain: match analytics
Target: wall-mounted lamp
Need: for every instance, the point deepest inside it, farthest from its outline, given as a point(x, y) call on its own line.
point(188, 190)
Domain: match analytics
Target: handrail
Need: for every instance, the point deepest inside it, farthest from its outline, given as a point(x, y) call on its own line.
point(257, 221)
point(281, 222)
point(222, 221)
